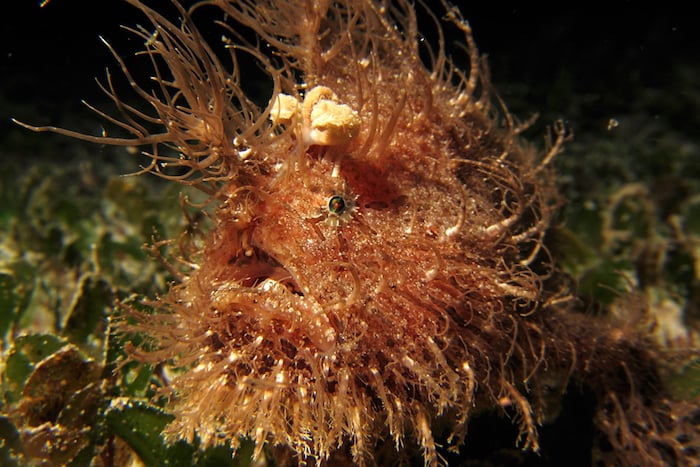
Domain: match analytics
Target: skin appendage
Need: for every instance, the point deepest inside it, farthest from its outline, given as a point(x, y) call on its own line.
point(375, 273)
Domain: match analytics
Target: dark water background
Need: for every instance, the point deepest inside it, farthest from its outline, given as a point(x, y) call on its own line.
point(584, 63)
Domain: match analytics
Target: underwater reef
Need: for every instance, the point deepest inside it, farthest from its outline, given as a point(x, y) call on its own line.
point(353, 256)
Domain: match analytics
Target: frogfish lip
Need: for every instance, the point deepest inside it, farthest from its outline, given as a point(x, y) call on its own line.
point(270, 292)
point(255, 266)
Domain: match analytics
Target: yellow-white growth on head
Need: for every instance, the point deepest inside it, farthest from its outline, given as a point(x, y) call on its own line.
point(284, 108)
point(324, 120)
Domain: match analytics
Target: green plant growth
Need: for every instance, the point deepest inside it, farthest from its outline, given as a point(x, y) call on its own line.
point(70, 253)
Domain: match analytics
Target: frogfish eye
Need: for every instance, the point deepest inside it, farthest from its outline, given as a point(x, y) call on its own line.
point(336, 205)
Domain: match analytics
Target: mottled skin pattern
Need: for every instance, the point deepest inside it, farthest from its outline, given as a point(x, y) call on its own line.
point(389, 320)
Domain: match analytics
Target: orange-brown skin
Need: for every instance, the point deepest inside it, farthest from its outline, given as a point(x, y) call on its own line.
point(397, 318)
